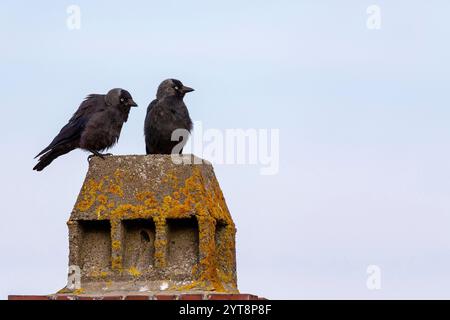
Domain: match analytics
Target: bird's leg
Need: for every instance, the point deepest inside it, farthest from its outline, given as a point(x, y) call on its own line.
point(98, 154)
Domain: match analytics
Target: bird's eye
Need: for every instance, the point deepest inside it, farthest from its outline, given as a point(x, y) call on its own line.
point(122, 99)
point(176, 88)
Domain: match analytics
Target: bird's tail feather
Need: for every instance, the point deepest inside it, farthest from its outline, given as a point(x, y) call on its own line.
point(42, 152)
point(48, 157)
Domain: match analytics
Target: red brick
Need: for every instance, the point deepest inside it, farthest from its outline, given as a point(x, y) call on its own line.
point(165, 297)
point(137, 297)
point(109, 298)
point(191, 297)
point(63, 297)
point(99, 297)
point(232, 297)
point(17, 297)
point(85, 298)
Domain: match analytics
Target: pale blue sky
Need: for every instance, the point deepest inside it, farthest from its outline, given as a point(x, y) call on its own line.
point(363, 117)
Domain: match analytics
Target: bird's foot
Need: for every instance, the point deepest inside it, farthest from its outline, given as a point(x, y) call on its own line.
point(90, 157)
point(98, 154)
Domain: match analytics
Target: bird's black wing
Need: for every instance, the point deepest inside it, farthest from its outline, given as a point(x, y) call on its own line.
point(149, 135)
point(147, 121)
point(151, 105)
point(74, 128)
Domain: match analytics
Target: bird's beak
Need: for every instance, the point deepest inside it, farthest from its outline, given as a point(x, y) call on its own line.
point(186, 89)
point(131, 103)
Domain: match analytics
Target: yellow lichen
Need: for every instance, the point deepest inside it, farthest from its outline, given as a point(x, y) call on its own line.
point(116, 263)
point(104, 274)
point(100, 209)
point(78, 291)
point(96, 191)
point(102, 199)
point(116, 245)
point(116, 189)
point(194, 197)
point(98, 274)
point(133, 271)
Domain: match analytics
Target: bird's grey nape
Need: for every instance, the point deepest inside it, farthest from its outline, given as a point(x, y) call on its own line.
point(165, 89)
point(112, 98)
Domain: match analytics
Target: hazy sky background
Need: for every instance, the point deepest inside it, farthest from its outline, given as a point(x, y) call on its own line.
point(364, 132)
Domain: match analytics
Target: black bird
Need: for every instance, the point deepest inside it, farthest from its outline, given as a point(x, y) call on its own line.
point(164, 115)
point(94, 127)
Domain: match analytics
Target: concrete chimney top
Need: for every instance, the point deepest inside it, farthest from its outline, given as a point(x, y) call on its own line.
point(145, 225)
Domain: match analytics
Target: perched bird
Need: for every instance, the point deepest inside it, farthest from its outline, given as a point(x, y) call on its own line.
point(164, 115)
point(94, 127)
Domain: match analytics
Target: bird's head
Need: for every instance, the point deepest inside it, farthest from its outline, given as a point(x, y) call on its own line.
point(119, 97)
point(172, 87)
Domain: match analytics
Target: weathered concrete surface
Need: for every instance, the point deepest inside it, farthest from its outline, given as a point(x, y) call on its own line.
point(143, 224)
point(178, 296)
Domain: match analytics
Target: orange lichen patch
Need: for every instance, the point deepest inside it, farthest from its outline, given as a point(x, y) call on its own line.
point(133, 271)
point(151, 203)
point(226, 254)
point(160, 260)
point(116, 189)
point(148, 198)
point(89, 194)
point(194, 285)
point(171, 178)
point(99, 274)
point(116, 183)
point(119, 174)
point(97, 191)
point(116, 245)
point(160, 242)
point(142, 196)
point(100, 209)
point(208, 259)
point(197, 196)
point(78, 291)
point(104, 274)
point(209, 206)
point(116, 263)
point(102, 199)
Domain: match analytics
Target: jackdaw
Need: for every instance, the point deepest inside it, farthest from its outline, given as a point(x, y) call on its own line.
point(94, 127)
point(165, 114)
